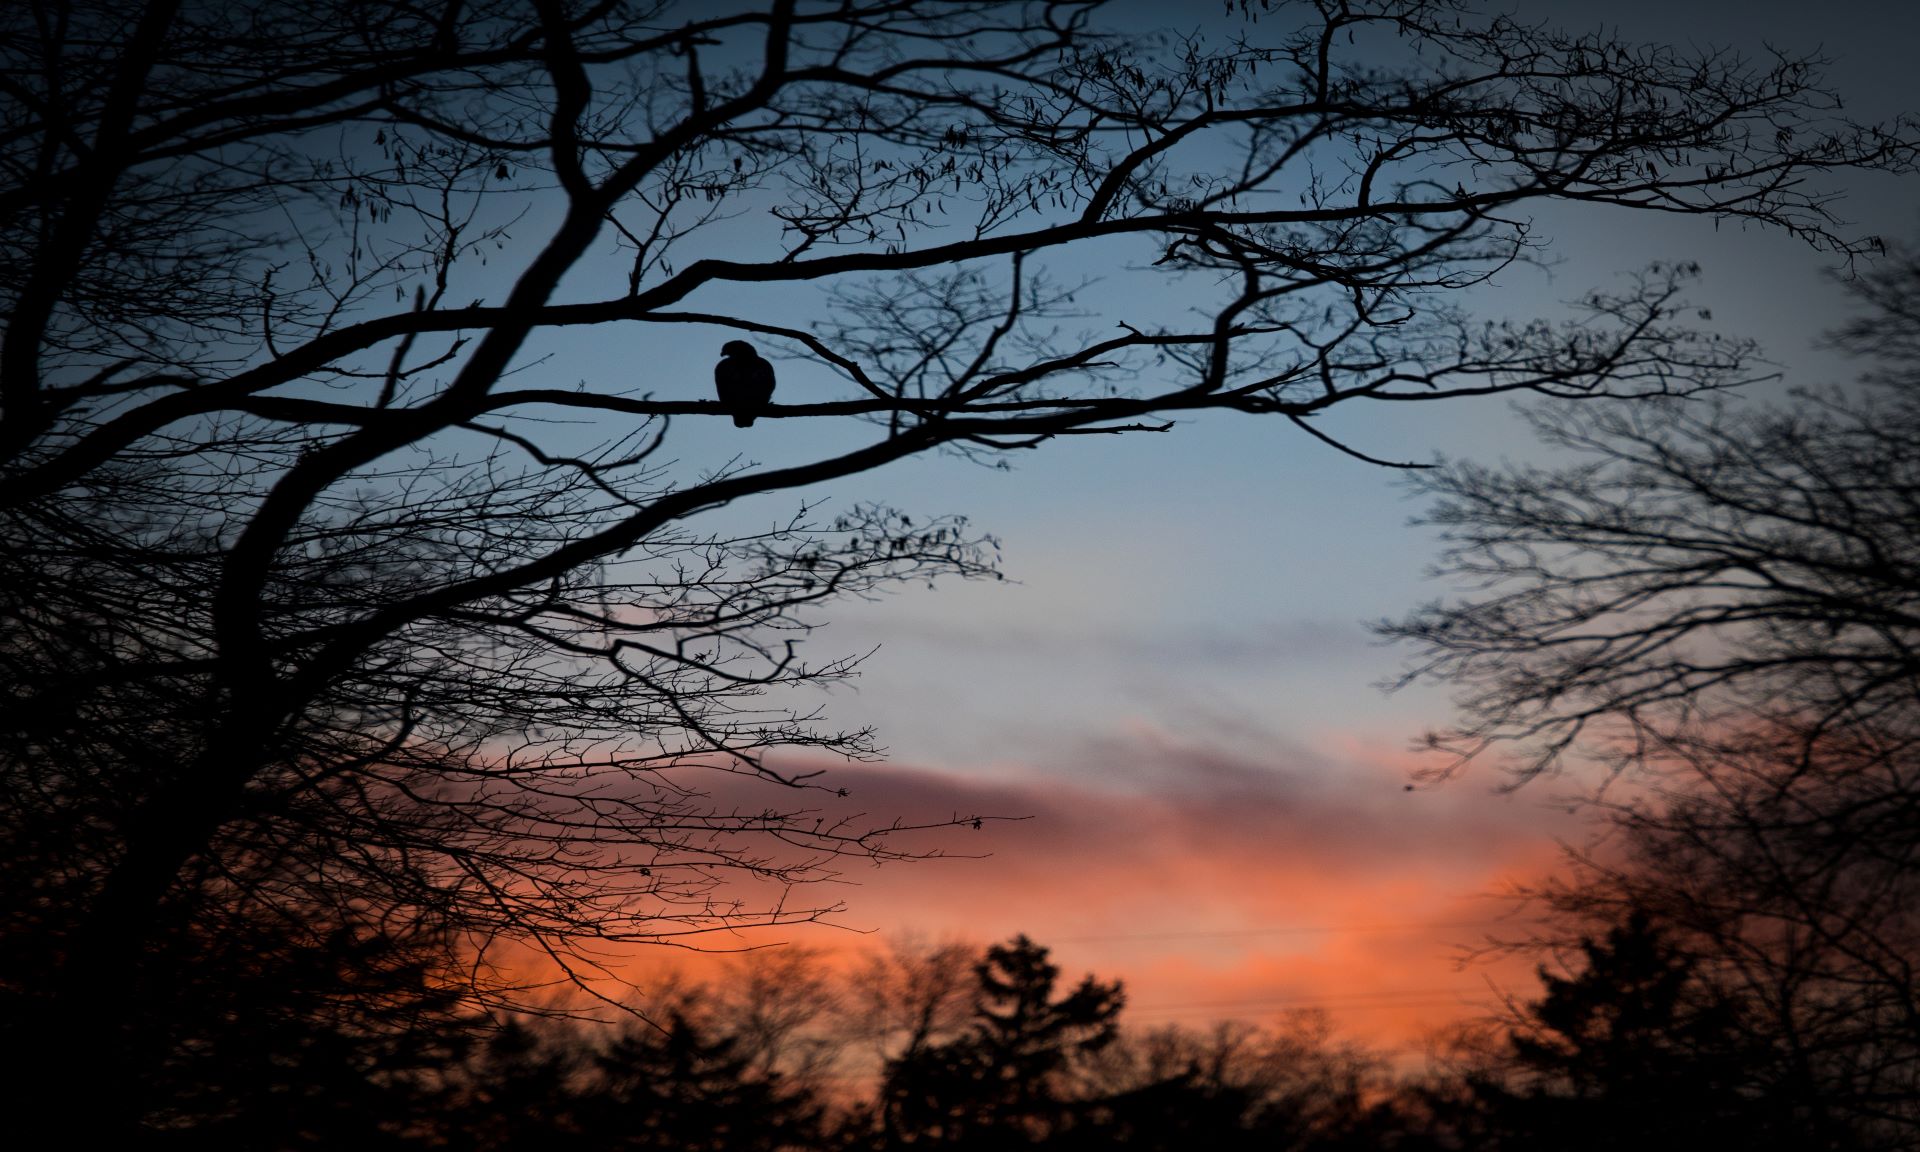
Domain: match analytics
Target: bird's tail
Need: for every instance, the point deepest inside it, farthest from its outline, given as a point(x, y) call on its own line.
point(742, 420)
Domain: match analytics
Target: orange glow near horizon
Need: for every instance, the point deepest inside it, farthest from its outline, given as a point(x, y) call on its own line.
point(1217, 885)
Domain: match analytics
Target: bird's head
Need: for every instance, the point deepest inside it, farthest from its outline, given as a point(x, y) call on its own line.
point(736, 348)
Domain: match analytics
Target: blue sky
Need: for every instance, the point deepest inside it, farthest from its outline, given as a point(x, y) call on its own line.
point(1232, 561)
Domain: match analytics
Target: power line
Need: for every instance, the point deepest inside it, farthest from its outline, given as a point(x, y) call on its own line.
point(1288, 930)
point(1383, 998)
point(1257, 1009)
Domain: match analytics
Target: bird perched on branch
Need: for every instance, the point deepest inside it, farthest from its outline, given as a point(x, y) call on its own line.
point(744, 381)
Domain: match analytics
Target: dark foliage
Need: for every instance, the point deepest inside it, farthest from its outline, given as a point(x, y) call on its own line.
point(1002, 1083)
point(1631, 1050)
point(252, 1032)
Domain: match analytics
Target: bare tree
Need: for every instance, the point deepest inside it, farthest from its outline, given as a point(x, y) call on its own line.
point(1290, 1083)
point(1707, 563)
point(909, 996)
point(305, 592)
point(1723, 602)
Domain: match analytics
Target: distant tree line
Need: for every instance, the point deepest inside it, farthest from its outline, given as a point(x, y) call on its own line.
point(1629, 1046)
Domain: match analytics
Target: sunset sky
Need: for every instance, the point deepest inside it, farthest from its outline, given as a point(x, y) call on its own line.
point(1175, 690)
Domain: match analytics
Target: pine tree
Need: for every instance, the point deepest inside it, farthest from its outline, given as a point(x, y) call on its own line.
point(1001, 1084)
point(1636, 1049)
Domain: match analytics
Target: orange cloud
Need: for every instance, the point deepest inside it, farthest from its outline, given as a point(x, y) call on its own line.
point(1216, 879)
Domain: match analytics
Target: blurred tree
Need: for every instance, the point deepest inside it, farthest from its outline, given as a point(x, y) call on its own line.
point(677, 1089)
point(784, 1011)
point(250, 1031)
point(1786, 870)
point(1705, 566)
point(1630, 1049)
point(521, 1087)
point(1003, 1083)
point(1727, 602)
point(299, 568)
point(1288, 1086)
point(676, 1083)
point(912, 995)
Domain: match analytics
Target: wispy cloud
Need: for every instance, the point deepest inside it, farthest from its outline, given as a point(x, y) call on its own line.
point(1220, 875)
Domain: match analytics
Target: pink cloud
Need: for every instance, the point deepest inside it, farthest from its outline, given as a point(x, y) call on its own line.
point(1218, 879)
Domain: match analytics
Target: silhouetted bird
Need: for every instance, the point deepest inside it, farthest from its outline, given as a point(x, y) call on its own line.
point(744, 381)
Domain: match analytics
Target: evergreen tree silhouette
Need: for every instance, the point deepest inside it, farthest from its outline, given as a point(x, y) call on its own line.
point(683, 1089)
point(522, 1088)
point(1000, 1085)
point(1636, 1050)
point(248, 1031)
